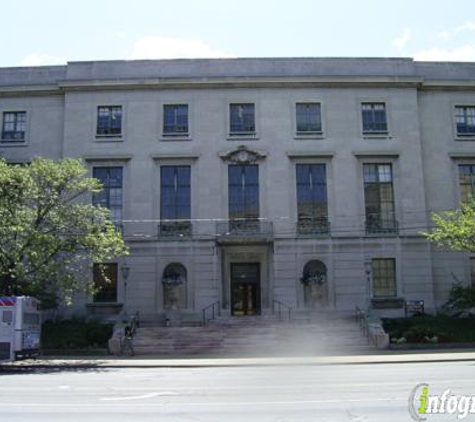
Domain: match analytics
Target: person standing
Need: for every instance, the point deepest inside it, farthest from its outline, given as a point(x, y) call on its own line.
point(127, 346)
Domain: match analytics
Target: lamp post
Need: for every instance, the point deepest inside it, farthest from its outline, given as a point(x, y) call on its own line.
point(125, 270)
point(367, 269)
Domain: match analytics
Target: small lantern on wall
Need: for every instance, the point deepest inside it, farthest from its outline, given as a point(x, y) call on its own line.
point(125, 270)
point(315, 278)
point(172, 279)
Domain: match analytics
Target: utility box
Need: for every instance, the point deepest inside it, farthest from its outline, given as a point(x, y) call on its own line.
point(20, 327)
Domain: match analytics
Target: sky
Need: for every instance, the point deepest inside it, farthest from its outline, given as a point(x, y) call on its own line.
point(46, 32)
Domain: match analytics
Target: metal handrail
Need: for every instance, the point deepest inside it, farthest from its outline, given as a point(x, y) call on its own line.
point(212, 306)
point(281, 305)
point(245, 227)
point(175, 229)
point(135, 322)
point(381, 224)
point(319, 226)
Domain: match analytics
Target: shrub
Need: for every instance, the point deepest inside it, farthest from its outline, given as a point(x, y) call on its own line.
point(418, 332)
point(75, 333)
point(444, 327)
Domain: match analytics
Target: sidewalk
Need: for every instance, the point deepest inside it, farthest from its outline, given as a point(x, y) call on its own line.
point(385, 357)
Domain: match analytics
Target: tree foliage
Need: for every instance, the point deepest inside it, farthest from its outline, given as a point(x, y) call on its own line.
point(455, 229)
point(50, 233)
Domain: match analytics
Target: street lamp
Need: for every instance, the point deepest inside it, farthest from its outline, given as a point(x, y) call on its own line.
point(125, 270)
point(367, 269)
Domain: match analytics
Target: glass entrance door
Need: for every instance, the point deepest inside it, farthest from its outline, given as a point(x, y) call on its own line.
point(245, 289)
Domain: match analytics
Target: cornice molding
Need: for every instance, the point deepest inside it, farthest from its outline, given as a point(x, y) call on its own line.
point(175, 156)
point(417, 82)
point(15, 91)
point(310, 154)
point(107, 157)
point(376, 153)
point(461, 155)
point(241, 82)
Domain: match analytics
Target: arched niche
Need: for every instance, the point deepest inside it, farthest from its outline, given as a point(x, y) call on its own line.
point(174, 282)
point(315, 284)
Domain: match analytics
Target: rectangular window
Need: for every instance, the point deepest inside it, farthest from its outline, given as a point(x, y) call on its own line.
point(105, 282)
point(242, 119)
point(384, 277)
point(309, 119)
point(175, 201)
point(14, 126)
point(467, 181)
point(109, 121)
point(175, 119)
point(7, 317)
point(379, 199)
point(374, 118)
point(111, 196)
point(465, 119)
point(243, 191)
point(312, 205)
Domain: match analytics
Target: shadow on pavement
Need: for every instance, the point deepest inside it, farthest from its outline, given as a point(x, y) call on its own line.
point(85, 366)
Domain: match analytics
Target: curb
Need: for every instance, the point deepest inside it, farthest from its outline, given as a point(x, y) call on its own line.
point(134, 363)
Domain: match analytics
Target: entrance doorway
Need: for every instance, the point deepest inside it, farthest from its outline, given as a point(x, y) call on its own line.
point(245, 289)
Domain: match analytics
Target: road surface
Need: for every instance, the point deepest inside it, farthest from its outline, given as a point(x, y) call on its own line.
point(358, 393)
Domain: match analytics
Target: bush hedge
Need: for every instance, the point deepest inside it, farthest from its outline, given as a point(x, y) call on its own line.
point(75, 333)
point(418, 328)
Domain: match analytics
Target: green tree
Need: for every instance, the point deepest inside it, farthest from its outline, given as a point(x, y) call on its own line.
point(49, 233)
point(455, 229)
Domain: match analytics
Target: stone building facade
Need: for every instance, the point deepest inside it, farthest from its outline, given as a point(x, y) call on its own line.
point(302, 183)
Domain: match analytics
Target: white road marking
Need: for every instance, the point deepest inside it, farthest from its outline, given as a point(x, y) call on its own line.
point(144, 396)
point(237, 403)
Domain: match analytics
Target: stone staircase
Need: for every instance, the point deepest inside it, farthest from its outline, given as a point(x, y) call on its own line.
point(328, 333)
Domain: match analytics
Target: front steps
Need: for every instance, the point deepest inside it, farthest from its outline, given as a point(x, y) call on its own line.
point(319, 334)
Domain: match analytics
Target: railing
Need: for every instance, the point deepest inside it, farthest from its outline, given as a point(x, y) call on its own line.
point(282, 309)
point(175, 229)
point(245, 228)
point(372, 328)
point(313, 227)
point(381, 224)
point(135, 322)
point(215, 309)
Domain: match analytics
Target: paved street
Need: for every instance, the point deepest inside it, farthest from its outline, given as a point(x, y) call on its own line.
point(358, 393)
